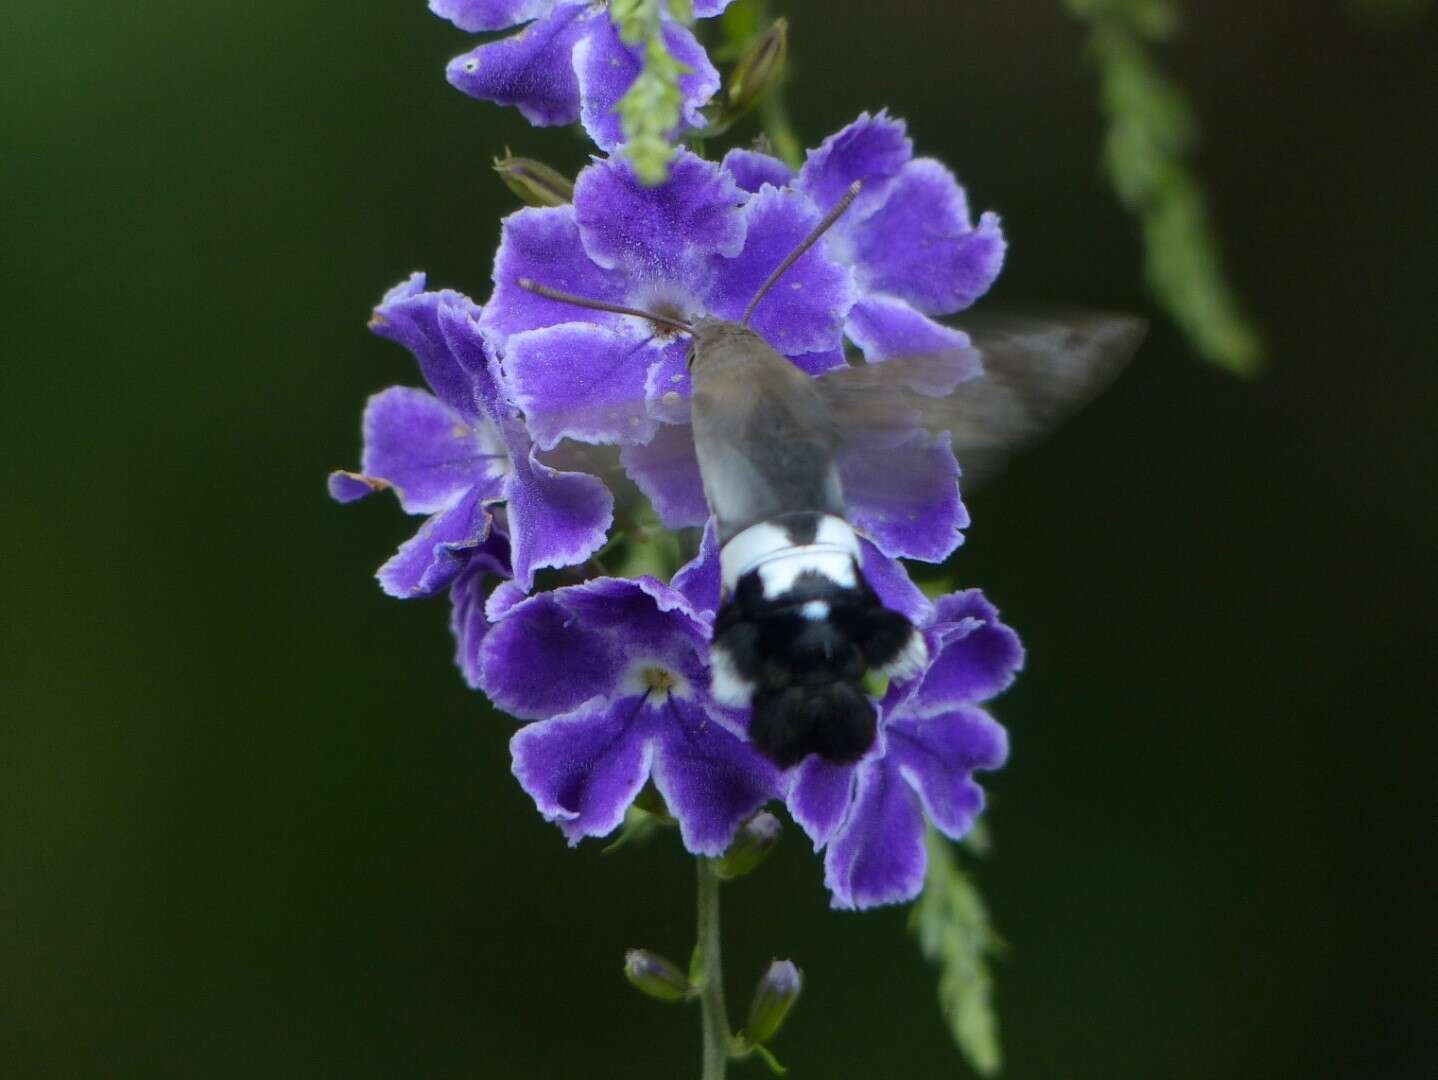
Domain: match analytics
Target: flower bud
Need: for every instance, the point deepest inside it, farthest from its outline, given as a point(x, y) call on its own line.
point(775, 995)
point(534, 182)
point(758, 70)
point(654, 975)
point(757, 837)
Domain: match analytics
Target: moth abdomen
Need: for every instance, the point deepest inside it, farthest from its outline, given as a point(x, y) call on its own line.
point(798, 631)
point(835, 721)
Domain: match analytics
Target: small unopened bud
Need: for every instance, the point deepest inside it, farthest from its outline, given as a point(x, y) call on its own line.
point(773, 998)
point(656, 976)
point(758, 71)
point(756, 839)
point(534, 182)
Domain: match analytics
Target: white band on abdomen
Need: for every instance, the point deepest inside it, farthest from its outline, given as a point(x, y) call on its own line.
point(766, 547)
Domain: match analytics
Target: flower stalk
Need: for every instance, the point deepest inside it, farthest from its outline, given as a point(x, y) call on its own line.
point(708, 974)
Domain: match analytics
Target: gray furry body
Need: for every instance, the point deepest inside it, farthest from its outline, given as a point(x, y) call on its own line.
point(763, 433)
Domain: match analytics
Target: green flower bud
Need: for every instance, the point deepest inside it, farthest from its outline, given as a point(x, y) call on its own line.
point(773, 998)
point(758, 71)
point(757, 837)
point(534, 182)
point(652, 974)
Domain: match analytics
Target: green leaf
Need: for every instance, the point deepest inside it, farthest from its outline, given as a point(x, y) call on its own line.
point(954, 933)
point(1151, 132)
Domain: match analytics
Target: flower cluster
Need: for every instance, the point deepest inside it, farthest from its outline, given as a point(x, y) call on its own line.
point(614, 674)
point(611, 675)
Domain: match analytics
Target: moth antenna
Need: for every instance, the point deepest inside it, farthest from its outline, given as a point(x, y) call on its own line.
point(804, 245)
point(601, 305)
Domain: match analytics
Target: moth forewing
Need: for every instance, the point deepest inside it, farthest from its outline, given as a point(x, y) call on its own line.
point(1021, 377)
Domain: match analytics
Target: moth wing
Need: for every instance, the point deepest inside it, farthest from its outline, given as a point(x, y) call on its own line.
point(1020, 378)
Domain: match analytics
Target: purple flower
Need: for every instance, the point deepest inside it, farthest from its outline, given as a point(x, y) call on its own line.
point(693, 245)
point(568, 63)
point(934, 735)
point(614, 672)
point(909, 236)
point(454, 454)
point(697, 244)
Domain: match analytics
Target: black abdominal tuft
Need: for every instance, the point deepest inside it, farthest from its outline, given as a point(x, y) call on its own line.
point(834, 720)
point(806, 663)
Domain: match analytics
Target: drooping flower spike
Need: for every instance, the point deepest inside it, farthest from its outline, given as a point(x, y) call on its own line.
point(456, 453)
point(622, 684)
point(568, 63)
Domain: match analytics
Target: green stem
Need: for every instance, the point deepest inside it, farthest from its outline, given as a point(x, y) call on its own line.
point(714, 1016)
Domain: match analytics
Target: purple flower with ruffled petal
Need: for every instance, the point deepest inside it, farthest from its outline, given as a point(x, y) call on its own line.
point(568, 64)
point(693, 245)
point(869, 817)
point(690, 246)
point(909, 236)
point(615, 674)
point(697, 244)
point(455, 453)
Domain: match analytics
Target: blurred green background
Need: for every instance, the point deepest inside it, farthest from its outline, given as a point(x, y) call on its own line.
point(251, 822)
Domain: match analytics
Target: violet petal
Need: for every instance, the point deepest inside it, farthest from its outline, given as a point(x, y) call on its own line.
point(711, 780)
point(937, 757)
point(530, 70)
point(906, 499)
point(435, 555)
point(921, 246)
point(584, 768)
point(426, 451)
point(877, 857)
point(556, 518)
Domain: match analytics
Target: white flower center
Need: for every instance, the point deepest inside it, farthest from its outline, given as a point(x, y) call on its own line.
point(654, 679)
point(490, 449)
